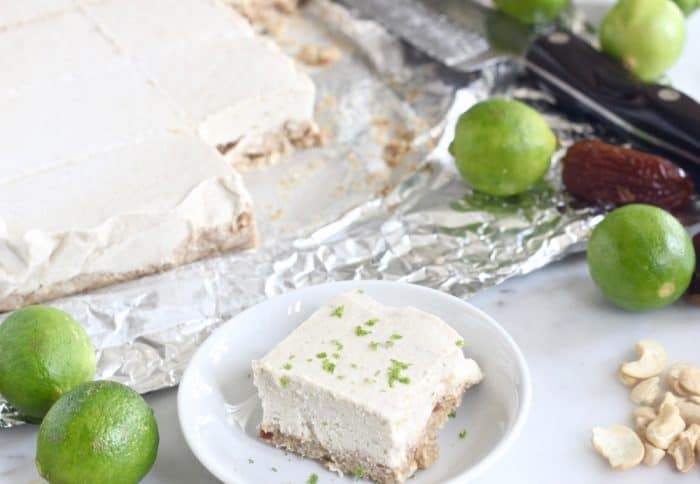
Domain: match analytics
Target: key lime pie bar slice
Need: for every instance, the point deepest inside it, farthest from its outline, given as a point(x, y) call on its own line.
point(364, 387)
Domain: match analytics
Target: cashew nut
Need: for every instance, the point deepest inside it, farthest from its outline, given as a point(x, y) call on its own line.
point(646, 391)
point(690, 412)
point(652, 455)
point(674, 375)
point(671, 399)
point(690, 380)
point(651, 362)
point(620, 445)
point(628, 381)
point(692, 433)
point(683, 454)
point(666, 427)
point(642, 416)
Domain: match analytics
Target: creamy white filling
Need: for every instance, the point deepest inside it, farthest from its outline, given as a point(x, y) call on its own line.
point(124, 210)
point(93, 177)
point(356, 408)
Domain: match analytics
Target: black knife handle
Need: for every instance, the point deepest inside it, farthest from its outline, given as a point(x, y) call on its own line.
point(658, 115)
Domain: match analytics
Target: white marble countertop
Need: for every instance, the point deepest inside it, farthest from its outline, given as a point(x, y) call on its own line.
point(572, 339)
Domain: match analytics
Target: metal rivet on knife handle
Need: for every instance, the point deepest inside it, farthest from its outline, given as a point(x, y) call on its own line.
point(559, 38)
point(667, 94)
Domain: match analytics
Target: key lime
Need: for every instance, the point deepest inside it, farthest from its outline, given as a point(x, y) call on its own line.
point(532, 11)
point(688, 6)
point(44, 353)
point(641, 257)
point(502, 147)
point(99, 432)
point(647, 36)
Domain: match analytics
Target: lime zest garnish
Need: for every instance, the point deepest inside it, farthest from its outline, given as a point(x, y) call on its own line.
point(284, 381)
point(360, 331)
point(371, 322)
point(452, 414)
point(321, 355)
point(373, 345)
point(338, 312)
point(463, 434)
point(459, 343)
point(394, 373)
point(287, 366)
point(328, 366)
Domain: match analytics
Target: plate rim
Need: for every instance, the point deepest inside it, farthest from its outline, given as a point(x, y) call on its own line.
point(487, 461)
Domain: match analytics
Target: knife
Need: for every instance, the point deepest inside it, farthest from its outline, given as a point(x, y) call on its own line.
point(456, 33)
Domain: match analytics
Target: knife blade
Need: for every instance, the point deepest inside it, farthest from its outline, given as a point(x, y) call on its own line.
point(579, 75)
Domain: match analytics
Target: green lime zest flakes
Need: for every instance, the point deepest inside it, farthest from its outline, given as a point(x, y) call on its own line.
point(338, 344)
point(313, 479)
point(291, 357)
point(360, 291)
point(287, 366)
point(394, 373)
point(452, 414)
point(309, 360)
point(251, 461)
point(376, 373)
point(338, 312)
point(336, 356)
point(284, 381)
point(396, 336)
point(463, 434)
point(388, 343)
point(321, 355)
point(359, 472)
point(360, 331)
point(273, 469)
point(459, 343)
point(353, 366)
point(328, 366)
point(373, 345)
point(340, 377)
point(371, 322)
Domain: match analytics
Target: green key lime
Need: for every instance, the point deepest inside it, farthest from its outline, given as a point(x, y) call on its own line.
point(99, 432)
point(502, 147)
point(641, 257)
point(532, 11)
point(647, 36)
point(44, 353)
point(688, 6)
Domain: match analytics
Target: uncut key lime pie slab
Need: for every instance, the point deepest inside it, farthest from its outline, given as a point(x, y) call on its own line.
point(111, 113)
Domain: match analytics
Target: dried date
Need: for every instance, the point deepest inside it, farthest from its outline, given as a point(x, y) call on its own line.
point(613, 175)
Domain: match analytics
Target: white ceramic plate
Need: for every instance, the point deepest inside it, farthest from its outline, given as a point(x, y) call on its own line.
point(219, 411)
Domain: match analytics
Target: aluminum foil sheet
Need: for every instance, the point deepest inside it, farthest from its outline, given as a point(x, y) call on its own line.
point(381, 200)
